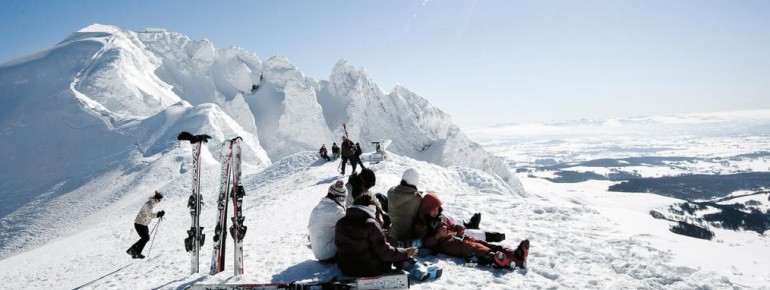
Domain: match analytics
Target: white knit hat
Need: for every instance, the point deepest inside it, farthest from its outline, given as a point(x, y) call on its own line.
point(411, 177)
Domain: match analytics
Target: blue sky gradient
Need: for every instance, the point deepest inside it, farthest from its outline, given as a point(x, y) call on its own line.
point(483, 62)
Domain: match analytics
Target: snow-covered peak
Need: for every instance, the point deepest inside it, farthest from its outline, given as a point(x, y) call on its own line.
point(96, 27)
point(279, 71)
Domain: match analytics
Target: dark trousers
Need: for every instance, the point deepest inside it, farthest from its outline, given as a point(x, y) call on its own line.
point(144, 237)
point(356, 159)
point(344, 162)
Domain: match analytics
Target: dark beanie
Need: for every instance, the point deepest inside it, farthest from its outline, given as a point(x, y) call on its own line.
point(157, 195)
point(367, 175)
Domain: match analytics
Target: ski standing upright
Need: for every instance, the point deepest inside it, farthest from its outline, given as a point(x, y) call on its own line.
point(237, 230)
point(218, 255)
point(229, 186)
point(195, 237)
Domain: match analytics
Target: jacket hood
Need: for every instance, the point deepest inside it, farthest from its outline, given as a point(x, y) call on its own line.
point(429, 202)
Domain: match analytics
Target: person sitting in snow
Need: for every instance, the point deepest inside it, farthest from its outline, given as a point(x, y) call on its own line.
point(141, 222)
point(439, 234)
point(360, 184)
point(403, 203)
point(323, 153)
point(323, 219)
point(335, 151)
point(362, 248)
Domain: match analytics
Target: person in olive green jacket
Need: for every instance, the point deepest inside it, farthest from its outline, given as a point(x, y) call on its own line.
point(403, 203)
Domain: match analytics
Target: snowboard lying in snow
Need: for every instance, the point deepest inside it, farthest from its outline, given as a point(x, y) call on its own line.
point(391, 281)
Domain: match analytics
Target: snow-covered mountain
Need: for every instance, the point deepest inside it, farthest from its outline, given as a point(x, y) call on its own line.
point(105, 103)
point(90, 130)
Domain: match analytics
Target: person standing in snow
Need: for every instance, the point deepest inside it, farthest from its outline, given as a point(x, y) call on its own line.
point(356, 158)
point(347, 151)
point(143, 219)
point(324, 154)
point(335, 151)
point(362, 248)
point(323, 219)
point(439, 234)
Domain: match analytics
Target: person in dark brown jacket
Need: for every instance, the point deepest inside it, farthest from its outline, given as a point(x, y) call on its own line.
point(362, 248)
point(440, 234)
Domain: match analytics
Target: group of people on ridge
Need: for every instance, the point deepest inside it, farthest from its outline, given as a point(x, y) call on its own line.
point(368, 234)
point(349, 151)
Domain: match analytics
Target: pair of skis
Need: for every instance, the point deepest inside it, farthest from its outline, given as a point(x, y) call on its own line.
point(393, 281)
point(229, 187)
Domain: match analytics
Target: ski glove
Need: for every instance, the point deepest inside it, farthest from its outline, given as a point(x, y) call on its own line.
point(161, 214)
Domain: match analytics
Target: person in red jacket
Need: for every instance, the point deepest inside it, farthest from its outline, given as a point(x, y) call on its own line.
point(362, 248)
point(440, 234)
point(324, 154)
point(347, 152)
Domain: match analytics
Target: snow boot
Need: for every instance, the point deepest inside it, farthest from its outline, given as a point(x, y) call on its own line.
point(474, 222)
point(134, 254)
point(494, 237)
point(519, 256)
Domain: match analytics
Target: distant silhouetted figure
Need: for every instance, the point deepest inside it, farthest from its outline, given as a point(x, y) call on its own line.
point(347, 151)
point(323, 153)
point(335, 151)
point(356, 158)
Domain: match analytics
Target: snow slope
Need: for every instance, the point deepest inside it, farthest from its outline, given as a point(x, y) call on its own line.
point(582, 237)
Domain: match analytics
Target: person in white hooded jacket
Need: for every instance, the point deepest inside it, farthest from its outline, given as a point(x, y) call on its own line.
point(142, 220)
point(323, 219)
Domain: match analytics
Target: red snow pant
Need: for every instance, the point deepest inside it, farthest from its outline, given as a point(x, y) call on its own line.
point(464, 247)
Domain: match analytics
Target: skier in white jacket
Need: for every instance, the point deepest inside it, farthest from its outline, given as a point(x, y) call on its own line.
point(323, 219)
point(141, 222)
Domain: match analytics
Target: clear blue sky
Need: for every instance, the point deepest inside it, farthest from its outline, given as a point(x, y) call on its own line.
point(483, 62)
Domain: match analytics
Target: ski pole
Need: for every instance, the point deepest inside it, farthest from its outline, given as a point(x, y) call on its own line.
point(155, 232)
